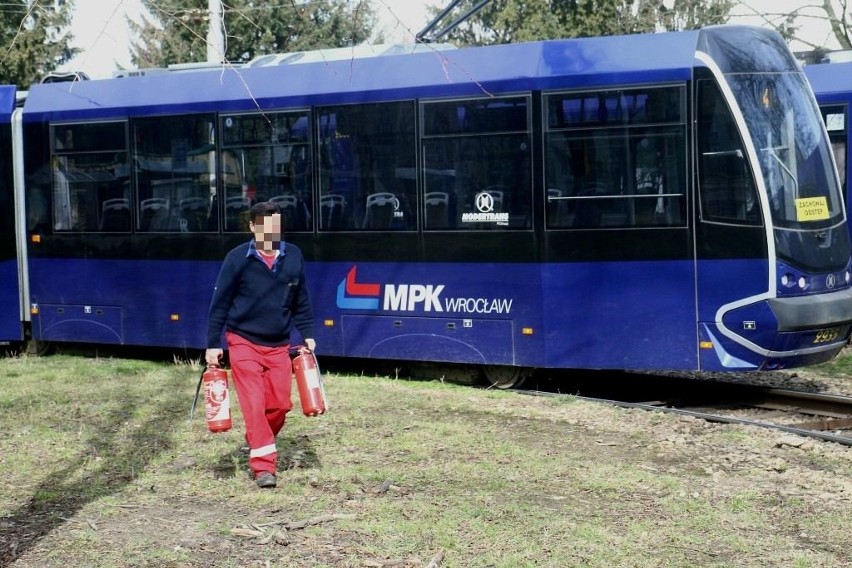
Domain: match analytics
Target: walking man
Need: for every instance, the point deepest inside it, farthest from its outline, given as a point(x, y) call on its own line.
point(260, 296)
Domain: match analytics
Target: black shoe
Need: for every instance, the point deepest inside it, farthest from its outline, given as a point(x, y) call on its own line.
point(265, 480)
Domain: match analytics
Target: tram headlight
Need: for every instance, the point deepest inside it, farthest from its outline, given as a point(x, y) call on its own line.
point(848, 277)
point(787, 280)
point(803, 282)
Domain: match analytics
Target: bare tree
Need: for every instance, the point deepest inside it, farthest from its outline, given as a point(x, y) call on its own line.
point(790, 23)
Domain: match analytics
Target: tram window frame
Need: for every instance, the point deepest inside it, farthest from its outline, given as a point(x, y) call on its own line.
point(838, 129)
point(7, 210)
point(266, 156)
point(727, 190)
point(490, 191)
point(187, 200)
point(367, 166)
point(88, 162)
point(616, 158)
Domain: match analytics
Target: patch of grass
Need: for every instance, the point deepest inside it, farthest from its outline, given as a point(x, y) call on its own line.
point(744, 502)
point(734, 435)
point(104, 469)
point(839, 366)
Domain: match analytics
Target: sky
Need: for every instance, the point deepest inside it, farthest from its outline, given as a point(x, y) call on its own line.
point(100, 28)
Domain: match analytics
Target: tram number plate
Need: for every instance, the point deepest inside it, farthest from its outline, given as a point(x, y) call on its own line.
point(826, 335)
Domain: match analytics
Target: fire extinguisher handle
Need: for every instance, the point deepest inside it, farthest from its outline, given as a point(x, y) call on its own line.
point(195, 400)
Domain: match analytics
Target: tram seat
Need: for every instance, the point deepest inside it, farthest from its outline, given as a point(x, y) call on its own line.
point(235, 202)
point(380, 210)
point(190, 203)
point(115, 215)
point(437, 209)
point(193, 212)
point(332, 209)
point(152, 210)
point(287, 204)
point(236, 212)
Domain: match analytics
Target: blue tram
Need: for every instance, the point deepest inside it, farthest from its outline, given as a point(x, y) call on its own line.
point(658, 201)
point(832, 85)
point(11, 316)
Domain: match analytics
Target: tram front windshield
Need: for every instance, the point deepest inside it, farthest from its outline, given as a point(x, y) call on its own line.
point(793, 150)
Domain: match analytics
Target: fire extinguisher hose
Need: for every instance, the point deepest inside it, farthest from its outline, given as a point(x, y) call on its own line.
point(195, 400)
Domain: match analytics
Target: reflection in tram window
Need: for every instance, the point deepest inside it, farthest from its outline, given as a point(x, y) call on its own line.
point(367, 167)
point(477, 153)
point(266, 157)
point(90, 178)
point(616, 158)
point(175, 165)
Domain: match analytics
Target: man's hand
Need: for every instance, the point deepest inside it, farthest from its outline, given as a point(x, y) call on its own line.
point(311, 344)
point(213, 356)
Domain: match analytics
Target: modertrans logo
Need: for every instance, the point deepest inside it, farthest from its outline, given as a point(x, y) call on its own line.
point(354, 295)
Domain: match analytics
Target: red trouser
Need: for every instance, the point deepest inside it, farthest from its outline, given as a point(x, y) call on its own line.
point(262, 377)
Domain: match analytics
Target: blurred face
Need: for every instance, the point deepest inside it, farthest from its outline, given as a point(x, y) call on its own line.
point(267, 233)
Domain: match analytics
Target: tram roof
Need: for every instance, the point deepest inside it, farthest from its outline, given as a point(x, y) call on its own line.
point(830, 78)
point(571, 63)
point(7, 102)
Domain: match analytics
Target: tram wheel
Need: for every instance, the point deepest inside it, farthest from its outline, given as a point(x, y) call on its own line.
point(504, 377)
point(461, 374)
point(40, 348)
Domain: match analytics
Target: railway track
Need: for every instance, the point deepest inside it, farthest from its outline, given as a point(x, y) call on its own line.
point(824, 416)
point(811, 414)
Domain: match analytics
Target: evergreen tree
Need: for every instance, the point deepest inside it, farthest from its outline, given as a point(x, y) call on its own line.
point(507, 21)
point(175, 31)
point(35, 40)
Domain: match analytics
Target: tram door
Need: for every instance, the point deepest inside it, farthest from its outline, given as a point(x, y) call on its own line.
point(731, 249)
point(10, 316)
point(620, 279)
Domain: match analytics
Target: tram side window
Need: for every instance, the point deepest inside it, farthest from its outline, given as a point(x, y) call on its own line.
point(616, 158)
point(367, 167)
point(90, 177)
point(726, 184)
point(7, 210)
point(835, 118)
point(175, 171)
point(477, 164)
point(266, 157)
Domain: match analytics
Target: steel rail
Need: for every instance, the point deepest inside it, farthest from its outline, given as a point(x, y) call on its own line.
point(846, 441)
point(820, 404)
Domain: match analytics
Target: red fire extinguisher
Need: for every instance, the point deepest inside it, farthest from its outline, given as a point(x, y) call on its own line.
point(216, 400)
point(309, 380)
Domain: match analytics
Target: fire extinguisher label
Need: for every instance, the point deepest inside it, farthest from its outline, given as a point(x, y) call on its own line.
point(219, 405)
point(312, 378)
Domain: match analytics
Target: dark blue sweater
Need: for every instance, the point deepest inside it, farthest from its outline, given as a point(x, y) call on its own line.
point(257, 303)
